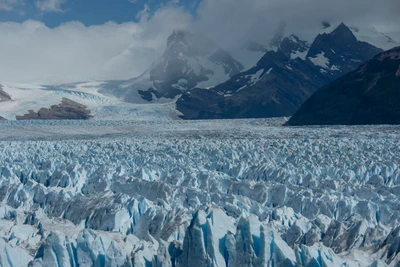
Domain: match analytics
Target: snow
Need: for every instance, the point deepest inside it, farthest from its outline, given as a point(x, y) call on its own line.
point(293, 39)
point(256, 77)
point(33, 97)
point(181, 84)
point(127, 192)
point(320, 60)
point(334, 67)
point(102, 107)
point(218, 75)
point(241, 88)
point(298, 54)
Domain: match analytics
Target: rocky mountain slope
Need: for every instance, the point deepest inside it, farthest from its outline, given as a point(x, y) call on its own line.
point(282, 80)
point(198, 193)
point(190, 60)
point(4, 96)
point(369, 95)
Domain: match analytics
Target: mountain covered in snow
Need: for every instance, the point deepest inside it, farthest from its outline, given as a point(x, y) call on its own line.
point(340, 51)
point(368, 95)
point(190, 60)
point(282, 80)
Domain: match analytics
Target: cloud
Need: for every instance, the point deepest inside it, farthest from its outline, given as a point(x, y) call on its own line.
point(8, 5)
point(49, 5)
point(33, 52)
point(233, 21)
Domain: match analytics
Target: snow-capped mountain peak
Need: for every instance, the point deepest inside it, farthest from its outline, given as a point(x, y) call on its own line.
point(344, 32)
point(190, 60)
point(340, 50)
point(293, 47)
point(281, 80)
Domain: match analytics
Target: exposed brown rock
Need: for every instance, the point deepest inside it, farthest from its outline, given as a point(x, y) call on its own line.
point(3, 95)
point(66, 110)
point(2, 119)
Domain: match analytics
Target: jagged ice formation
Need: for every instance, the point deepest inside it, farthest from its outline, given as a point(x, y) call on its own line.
point(220, 193)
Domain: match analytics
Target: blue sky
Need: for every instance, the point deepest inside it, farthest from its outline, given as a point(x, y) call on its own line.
point(89, 12)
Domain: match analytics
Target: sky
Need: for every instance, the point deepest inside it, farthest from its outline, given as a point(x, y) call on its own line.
point(88, 12)
point(56, 41)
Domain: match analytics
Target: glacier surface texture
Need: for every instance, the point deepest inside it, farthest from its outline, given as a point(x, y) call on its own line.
point(198, 193)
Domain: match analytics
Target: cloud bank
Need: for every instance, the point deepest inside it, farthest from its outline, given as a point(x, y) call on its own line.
point(33, 52)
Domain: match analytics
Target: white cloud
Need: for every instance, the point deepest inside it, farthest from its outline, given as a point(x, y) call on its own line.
point(234, 21)
point(49, 5)
point(33, 52)
point(8, 5)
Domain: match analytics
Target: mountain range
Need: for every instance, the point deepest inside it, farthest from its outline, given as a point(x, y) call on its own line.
point(282, 80)
point(196, 79)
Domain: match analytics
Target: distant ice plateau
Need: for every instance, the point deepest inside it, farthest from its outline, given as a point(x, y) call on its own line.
point(198, 193)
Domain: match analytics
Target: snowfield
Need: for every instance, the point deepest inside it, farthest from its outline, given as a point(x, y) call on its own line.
point(96, 96)
point(198, 193)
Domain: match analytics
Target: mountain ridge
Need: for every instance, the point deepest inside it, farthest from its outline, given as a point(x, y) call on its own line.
point(368, 95)
point(190, 60)
point(281, 81)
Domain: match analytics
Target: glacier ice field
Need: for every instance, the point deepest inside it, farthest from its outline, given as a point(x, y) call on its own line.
point(198, 193)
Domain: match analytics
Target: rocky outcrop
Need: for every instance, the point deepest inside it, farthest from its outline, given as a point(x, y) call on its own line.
point(66, 110)
point(3, 95)
point(369, 95)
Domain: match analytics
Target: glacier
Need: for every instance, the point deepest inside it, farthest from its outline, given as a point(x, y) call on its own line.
point(198, 193)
